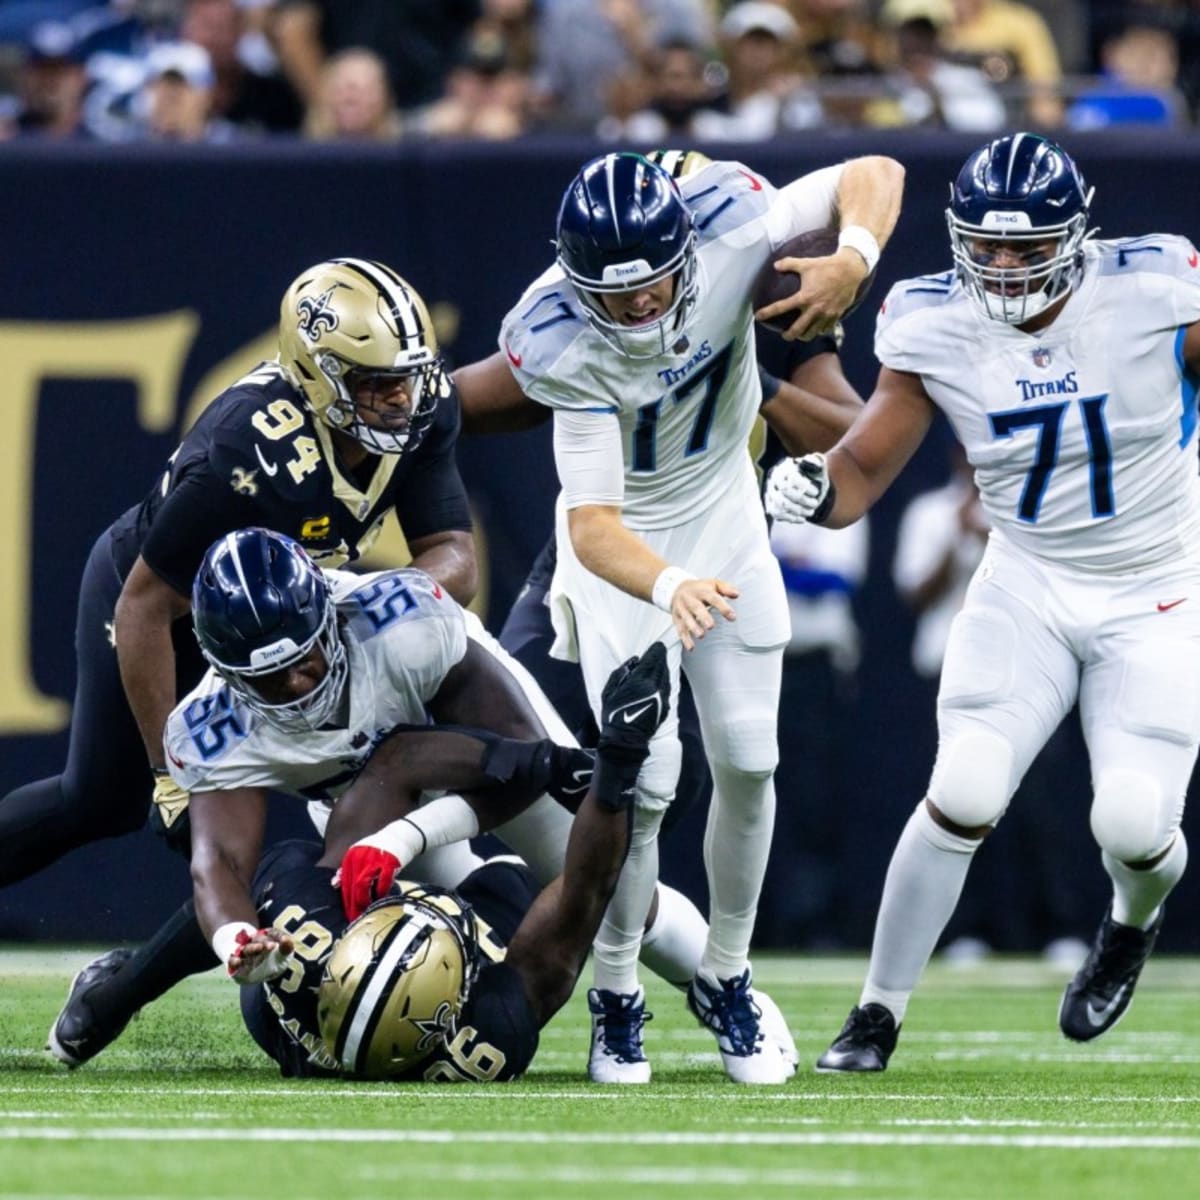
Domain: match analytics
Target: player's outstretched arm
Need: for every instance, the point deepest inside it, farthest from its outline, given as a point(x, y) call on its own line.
point(837, 488)
point(813, 408)
point(550, 945)
point(227, 833)
point(492, 401)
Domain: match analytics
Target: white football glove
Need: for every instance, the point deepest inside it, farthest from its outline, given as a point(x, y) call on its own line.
point(799, 490)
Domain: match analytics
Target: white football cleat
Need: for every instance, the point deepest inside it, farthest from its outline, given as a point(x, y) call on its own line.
point(617, 1020)
point(728, 1008)
point(775, 1028)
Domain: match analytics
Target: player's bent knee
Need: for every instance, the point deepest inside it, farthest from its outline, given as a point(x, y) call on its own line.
point(972, 781)
point(1128, 815)
point(747, 747)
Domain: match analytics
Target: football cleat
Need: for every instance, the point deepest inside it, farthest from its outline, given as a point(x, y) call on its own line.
point(775, 1028)
point(865, 1043)
point(76, 1035)
point(617, 1021)
point(1096, 999)
point(728, 1009)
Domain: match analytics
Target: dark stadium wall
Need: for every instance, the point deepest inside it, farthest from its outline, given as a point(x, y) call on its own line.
point(136, 282)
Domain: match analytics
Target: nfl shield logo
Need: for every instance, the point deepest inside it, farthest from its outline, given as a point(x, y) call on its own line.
point(1041, 357)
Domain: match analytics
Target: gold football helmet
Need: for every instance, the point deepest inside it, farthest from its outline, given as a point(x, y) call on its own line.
point(396, 981)
point(358, 342)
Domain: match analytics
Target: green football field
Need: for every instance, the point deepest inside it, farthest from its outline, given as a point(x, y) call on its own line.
point(983, 1099)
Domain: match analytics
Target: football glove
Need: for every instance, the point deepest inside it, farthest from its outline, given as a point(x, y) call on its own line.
point(268, 962)
point(169, 813)
point(634, 703)
point(366, 874)
point(799, 490)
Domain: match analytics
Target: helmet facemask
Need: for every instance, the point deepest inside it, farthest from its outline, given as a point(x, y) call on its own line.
point(1017, 294)
point(305, 713)
point(656, 337)
point(348, 322)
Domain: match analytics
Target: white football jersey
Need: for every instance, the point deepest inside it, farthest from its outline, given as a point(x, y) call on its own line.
point(685, 416)
point(1082, 436)
point(402, 632)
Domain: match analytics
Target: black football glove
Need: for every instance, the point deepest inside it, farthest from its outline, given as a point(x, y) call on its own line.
point(634, 703)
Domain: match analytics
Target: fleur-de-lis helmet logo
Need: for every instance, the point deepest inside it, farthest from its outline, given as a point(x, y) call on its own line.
point(315, 315)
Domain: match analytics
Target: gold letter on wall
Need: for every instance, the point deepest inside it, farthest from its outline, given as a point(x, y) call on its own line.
point(150, 352)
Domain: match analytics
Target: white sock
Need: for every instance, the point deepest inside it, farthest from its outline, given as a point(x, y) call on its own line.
point(1138, 895)
point(673, 945)
point(924, 881)
point(737, 841)
point(615, 950)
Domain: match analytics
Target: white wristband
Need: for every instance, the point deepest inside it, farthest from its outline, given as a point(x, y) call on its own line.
point(224, 941)
point(441, 821)
point(669, 579)
point(862, 240)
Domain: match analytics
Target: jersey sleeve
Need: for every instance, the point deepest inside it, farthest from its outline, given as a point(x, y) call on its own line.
point(433, 498)
point(417, 630)
point(901, 313)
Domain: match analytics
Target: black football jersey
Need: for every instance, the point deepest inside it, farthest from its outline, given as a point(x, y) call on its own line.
point(497, 1032)
point(258, 456)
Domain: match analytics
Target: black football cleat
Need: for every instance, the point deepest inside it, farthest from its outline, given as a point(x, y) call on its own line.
point(76, 1034)
point(1096, 999)
point(865, 1043)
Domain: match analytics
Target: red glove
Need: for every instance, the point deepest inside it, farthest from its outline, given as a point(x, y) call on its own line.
point(366, 874)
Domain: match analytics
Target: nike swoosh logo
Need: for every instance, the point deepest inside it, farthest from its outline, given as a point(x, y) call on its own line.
point(630, 717)
point(1099, 1016)
point(1170, 604)
point(1194, 259)
point(755, 185)
point(269, 467)
point(515, 359)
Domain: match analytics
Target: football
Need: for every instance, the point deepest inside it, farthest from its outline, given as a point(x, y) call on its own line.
point(772, 285)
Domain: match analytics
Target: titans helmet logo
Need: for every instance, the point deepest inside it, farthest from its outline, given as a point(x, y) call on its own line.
point(315, 315)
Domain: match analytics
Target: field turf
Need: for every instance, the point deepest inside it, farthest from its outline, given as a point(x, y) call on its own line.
point(984, 1099)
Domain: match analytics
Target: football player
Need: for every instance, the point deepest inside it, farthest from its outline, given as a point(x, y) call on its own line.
point(310, 677)
point(640, 338)
point(355, 418)
point(449, 986)
point(1068, 370)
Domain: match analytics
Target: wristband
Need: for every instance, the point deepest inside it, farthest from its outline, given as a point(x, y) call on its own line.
point(861, 240)
point(665, 586)
point(225, 940)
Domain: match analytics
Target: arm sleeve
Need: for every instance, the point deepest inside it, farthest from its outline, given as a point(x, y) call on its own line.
point(587, 452)
point(809, 202)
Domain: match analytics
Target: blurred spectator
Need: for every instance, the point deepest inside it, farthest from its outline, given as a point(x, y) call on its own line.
point(485, 96)
point(513, 21)
point(846, 51)
point(355, 100)
point(1012, 44)
point(760, 43)
point(176, 100)
point(51, 84)
point(19, 18)
point(679, 93)
point(587, 50)
point(1140, 63)
point(931, 90)
point(417, 39)
point(803, 895)
point(250, 90)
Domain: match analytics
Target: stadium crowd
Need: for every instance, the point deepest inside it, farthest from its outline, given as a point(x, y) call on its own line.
point(649, 71)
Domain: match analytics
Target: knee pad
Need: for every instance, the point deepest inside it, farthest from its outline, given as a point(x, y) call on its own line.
point(748, 745)
point(972, 780)
point(1128, 816)
point(660, 774)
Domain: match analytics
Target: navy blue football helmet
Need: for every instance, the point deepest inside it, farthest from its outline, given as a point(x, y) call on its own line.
point(1022, 190)
point(259, 605)
point(623, 224)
